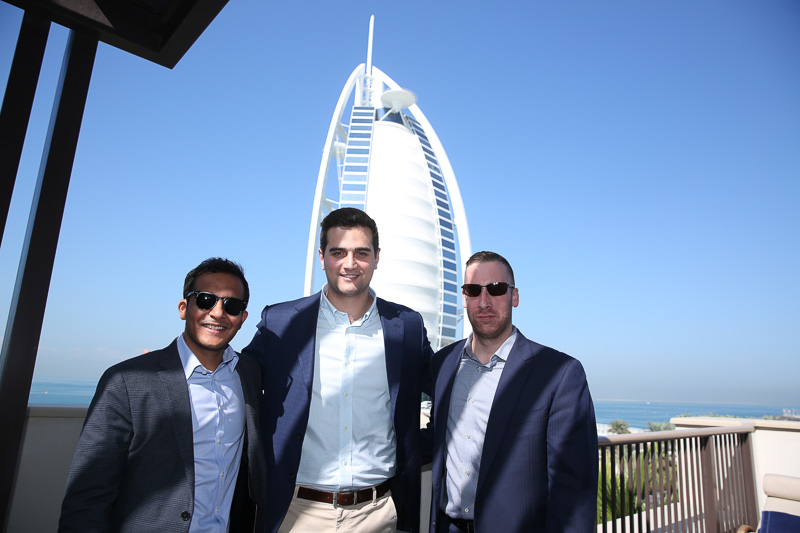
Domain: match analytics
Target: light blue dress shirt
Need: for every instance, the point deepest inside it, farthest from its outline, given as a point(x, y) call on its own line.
point(218, 420)
point(350, 441)
point(470, 404)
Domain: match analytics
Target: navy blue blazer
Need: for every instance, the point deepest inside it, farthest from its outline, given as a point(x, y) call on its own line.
point(284, 345)
point(134, 465)
point(539, 465)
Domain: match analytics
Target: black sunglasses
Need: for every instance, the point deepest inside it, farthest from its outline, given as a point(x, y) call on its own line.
point(206, 301)
point(498, 288)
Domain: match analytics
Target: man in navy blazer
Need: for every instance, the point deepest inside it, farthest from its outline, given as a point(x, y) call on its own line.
point(515, 439)
point(171, 440)
point(343, 376)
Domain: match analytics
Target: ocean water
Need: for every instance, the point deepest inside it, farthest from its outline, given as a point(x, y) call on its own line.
point(62, 391)
point(636, 413)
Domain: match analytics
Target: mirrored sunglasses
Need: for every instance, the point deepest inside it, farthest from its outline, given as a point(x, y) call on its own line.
point(498, 288)
point(206, 301)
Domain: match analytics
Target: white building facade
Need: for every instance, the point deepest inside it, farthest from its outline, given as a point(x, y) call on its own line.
point(381, 155)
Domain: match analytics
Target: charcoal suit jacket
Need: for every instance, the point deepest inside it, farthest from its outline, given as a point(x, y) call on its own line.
point(538, 470)
point(285, 346)
point(133, 469)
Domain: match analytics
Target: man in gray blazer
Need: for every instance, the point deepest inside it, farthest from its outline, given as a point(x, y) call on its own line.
point(171, 439)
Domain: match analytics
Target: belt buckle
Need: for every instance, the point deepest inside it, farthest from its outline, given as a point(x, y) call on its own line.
point(336, 497)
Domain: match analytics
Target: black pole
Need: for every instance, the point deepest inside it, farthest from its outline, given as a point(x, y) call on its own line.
point(17, 103)
point(24, 327)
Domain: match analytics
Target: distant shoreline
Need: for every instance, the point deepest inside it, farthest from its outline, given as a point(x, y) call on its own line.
point(698, 402)
point(637, 413)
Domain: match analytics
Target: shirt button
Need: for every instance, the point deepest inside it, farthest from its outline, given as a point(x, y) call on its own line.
point(344, 462)
point(345, 428)
point(468, 437)
point(346, 394)
point(466, 473)
point(471, 400)
point(466, 509)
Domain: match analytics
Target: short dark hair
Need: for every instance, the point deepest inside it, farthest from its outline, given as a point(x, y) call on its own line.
point(347, 217)
point(215, 265)
point(489, 257)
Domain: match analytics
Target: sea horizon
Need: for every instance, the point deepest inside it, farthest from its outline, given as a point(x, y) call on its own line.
point(637, 413)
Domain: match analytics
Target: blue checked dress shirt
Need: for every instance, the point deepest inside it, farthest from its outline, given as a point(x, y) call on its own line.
point(218, 419)
point(470, 404)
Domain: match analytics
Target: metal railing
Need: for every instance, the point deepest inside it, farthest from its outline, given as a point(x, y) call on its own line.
point(677, 481)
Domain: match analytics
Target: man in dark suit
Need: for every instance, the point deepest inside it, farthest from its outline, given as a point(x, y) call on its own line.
point(171, 439)
point(343, 377)
point(515, 439)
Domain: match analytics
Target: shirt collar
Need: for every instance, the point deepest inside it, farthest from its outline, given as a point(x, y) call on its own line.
point(329, 312)
point(501, 353)
point(190, 362)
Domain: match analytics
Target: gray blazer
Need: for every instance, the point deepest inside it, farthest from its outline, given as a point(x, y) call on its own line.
point(134, 465)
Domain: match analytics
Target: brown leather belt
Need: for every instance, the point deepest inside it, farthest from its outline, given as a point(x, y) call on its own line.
point(462, 524)
point(344, 498)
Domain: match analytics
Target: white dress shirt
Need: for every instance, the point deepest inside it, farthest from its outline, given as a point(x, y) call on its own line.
point(350, 441)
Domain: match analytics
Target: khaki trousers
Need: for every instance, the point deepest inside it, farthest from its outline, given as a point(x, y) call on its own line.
point(303, 515)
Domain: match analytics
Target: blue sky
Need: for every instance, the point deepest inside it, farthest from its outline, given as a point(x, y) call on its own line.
point(637, 162)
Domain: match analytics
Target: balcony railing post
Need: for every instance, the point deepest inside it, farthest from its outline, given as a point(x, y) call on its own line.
point(749, 478)
point(603, 486)
point(709, 484)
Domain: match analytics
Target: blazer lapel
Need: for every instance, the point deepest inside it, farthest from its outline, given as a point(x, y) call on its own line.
point(393, 333)
point(515, 374)
point(443, 389)
point(176, 389)
point(304, 331)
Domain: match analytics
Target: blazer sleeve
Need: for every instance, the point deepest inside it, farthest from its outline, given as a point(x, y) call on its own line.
point(572, 455)
point(96, 473)
point(257, 349)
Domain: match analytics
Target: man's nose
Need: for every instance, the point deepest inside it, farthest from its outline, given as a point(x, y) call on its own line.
point(483, 298)
point(350, 260)
point(217, 311)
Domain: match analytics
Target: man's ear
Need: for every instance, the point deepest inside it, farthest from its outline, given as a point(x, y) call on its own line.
point(182, 305)
point(321, 258)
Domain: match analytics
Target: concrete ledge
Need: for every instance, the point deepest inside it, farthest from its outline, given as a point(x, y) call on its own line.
point(48, 410)
point(723, 421)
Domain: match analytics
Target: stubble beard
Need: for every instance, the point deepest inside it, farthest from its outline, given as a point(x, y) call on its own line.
point(486, 332)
